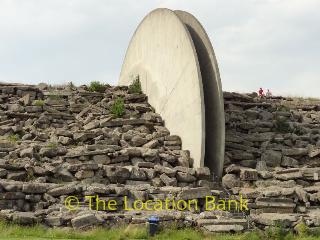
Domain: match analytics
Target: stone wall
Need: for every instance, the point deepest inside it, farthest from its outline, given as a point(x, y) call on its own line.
point(61, 142)
point(273, 156)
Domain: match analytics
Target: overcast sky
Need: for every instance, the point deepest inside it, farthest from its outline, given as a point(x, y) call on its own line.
point(269, 43)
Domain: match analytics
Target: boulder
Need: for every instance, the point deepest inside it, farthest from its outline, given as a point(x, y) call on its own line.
point(230, 181)
point(84, 221)
point(272, 158)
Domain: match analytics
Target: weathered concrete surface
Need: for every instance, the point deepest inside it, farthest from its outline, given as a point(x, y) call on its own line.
point(162, 53)
point(173, 56)
point(213, 96)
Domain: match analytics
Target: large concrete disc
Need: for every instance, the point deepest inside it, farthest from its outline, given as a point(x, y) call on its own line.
point(162, 53)
point(213, 96)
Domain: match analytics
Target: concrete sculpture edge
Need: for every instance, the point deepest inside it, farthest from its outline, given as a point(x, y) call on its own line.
point(213, 95)
point(166, 53)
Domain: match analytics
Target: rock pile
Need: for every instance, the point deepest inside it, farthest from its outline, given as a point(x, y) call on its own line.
point(62, 142)
point(273, 158)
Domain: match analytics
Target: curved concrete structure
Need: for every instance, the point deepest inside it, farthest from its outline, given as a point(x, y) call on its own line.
point(168, 56)
point(213, 95)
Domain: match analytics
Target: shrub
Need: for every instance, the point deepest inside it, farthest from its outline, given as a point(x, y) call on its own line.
point(13, 138)
point(278, 232)
point(299, 130)
point(71, 86)
point(283, 108)
point(96, 86)
point(30, 176)
point(118, 108)
point(302, 229)
point(135, 86)
point(39, 103)
point(282, 125)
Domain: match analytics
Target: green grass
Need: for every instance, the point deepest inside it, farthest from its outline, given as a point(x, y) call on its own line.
point(13, 138)
point(52, 145)
point(39, 103)
point(38, 232)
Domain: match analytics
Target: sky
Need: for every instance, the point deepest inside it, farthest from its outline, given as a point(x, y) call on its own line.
point(274, 44)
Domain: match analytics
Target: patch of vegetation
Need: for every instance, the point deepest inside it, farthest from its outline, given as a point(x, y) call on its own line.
point(96, 86)
point(135, 86)
point(299, 131)
point(13, 138)
point(71, 86)
point(282, 125)
point(283, 108)
point(30, 176)
point(118, 108)
point(54, 96)
point(302, 229)
point(279, 232)
point(52, 145)
point(39, 103)
point(39, 232)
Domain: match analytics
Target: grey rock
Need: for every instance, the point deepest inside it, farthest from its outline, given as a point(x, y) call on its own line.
point(48, 152)
point(18, 176)
point(64, 190)
point(194, 193)
point(230, 181)
point(24, 218)
point(168, 157)
point(84, 221)
point(273, 219)
point(54, 221)
point(101, 159)
point(289, 162)
point(185, 177)
point(64, 140)
point(27, 152)
point(117, 174)
point(3, 172)
point(91, 125)
point(137, 174)
point(203, 172)
point(83, 174)
point(295, 152)
point(34, 188)
point(224, 228)
point(168, 181)
point(248, 174)
point(152, 144)
point(272, 158)
point(168, 171)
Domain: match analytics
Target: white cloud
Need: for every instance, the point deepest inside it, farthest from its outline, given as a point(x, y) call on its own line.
point(268, 43)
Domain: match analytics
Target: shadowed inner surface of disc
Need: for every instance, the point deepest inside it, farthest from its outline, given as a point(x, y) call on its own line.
point(213, 96)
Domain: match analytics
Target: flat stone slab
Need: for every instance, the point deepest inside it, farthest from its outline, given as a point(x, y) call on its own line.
point(224, 228)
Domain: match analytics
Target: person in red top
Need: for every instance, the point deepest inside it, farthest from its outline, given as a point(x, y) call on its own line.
point(261, 94)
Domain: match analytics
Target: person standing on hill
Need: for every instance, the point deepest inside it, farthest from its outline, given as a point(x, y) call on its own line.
point(268, 94)
point(261, 94)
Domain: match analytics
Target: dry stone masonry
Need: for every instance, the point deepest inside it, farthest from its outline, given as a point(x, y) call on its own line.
point(273, 157)
point(62, 142)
